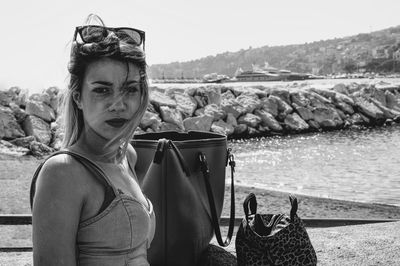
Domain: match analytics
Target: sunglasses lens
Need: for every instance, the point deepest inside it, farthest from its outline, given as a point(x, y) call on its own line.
point(93, 34)
point(130, 35)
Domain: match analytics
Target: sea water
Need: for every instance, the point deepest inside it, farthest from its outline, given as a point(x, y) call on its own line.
point(359, 165)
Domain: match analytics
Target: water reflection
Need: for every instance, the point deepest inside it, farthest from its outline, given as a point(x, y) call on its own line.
point(359, 165)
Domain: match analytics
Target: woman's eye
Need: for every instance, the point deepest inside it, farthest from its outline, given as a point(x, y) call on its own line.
point(101, 90)
point(132, 89)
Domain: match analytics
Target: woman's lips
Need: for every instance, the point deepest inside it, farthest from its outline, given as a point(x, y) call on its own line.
point(116, 122)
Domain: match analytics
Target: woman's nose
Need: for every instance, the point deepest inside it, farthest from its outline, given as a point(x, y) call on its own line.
point(117, 104)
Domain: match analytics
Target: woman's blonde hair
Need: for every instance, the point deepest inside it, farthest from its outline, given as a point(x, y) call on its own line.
point(81, 56)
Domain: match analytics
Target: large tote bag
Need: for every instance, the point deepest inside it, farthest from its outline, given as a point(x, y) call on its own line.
point(183, 174)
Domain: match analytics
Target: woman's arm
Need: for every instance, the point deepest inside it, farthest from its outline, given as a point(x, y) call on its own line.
point(56, 212)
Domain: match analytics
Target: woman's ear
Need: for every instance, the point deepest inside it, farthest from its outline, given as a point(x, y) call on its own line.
point(76, 96)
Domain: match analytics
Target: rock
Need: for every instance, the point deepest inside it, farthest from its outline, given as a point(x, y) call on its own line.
point(282, 93)
point(380, 96)
point(215, 111)
point(346, 108)
point(6, 97)
point(252, 132)
point(39, 149)
point(222, 127)
point(21, 98)
point(151, 120)
point(200, 101)
point(211, 94)
point(185, 103)
point(202, 123)
point(299, 98)
point(314, 125)
point(34, 126)
point(388, 113)
point(392, 102)
point(283, 108)
point(304, 112)
point(151, 108)
point(8, 148)
point(9, 127)
point(41, 110)
point(250, 120)
point(228, 95)
point(231, 120)
point(170, 115)
point(166, 126)
point(15, 90)
point(326, 93)
point(369, 109)
point(250, 102)
point(159, 99)
point(268, 120)
point(327, 118)
point(19, 113)
point(233, 107)
point(341, 88)
point(23, 142)
point(270, 105)
point(240, 129)
point(294, 123)
point(357, 119)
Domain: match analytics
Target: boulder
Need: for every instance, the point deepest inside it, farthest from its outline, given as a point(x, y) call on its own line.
point(19, 113)
point(283, 108)
point(250, 102)
point(166, 126)
point(171, 115)
point(231, 120)
point(304, 112)
point(327, 118)
point(6, 97)
point(200, 101)
point(228, 95)
point(215, 111)
point(299, 98)
point(240, 129)
point(39, 149)
point(159, 99)
point(233, 107)
point(346, 108)
point(270, 105)
point(185, 103)
point(34, 126)
point(7, 148)
point(9, 127)
point(293, 122)
point(369, 109)
point(250, 120)
point(388, 113)
point(211, 94)
point(282, 93)
point(268, 120)
point(23, 142)
point(202, 123)
point(21, 98)
point(41, 110)
point(357, 119)
point(150, 120)
point(222, 127)
point(341, 88)
point(392, 101)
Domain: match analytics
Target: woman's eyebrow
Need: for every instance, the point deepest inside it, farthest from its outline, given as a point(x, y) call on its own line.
point(130, 82)
point(100, 82)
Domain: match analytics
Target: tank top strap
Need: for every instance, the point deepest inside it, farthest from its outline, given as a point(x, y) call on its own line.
point(92, 167)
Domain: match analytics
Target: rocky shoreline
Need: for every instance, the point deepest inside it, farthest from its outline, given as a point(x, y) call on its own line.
point(29, 124)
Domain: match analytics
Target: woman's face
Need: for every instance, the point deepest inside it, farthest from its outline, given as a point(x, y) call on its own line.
point(110, 96)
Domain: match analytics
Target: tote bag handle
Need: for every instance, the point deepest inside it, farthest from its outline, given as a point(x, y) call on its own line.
point(215, 220)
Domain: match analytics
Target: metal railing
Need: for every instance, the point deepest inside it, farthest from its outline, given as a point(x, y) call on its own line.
point(26, 219)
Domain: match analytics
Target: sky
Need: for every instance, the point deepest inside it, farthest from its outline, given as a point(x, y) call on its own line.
point(36, 34)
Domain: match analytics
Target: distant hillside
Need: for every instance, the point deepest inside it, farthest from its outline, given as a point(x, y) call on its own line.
point(377, 51)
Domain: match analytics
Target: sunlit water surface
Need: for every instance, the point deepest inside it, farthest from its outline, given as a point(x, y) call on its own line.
point(360, 165)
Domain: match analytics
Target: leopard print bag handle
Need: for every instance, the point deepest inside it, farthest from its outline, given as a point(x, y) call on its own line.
point(273, 239)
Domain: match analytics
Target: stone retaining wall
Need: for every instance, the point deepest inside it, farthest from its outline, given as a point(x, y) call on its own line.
point(29, 125)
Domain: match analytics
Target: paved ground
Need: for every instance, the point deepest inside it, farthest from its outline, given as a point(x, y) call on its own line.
point(372, 244)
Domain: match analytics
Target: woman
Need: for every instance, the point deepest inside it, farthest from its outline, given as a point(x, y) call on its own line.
point(88, 208)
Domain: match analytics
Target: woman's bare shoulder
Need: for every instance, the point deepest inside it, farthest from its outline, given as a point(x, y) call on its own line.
point(62, 172)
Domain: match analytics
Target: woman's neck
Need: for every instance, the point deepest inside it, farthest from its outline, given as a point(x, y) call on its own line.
point(94, 146)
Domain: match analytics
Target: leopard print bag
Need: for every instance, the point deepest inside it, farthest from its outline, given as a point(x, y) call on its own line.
point(273, 239)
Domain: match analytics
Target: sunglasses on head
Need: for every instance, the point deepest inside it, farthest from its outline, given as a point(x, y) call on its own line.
point(96, 33)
